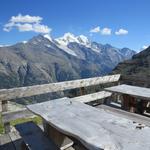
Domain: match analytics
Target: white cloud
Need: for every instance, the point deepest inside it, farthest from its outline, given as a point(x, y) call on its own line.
point(26, 23)
point(24, 27)
point(8, 26)
point(106, 31)
point(95, 30)
point(26, 19)
point(121, 32)
point(144, 47)
point(41, 28)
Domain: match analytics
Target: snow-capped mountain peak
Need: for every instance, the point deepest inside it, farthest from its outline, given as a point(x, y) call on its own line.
point(69, 37)
point(63, 42)
point(83, 40)
point(24, 42)
point(47, 36)
point(66, 39)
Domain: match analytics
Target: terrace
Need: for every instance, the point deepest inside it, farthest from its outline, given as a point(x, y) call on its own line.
point(109, 117)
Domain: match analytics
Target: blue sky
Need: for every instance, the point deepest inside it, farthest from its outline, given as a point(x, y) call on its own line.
point(57, 17)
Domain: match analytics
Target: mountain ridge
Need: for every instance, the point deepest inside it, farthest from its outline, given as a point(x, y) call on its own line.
point(138, 65)
point(42, 60)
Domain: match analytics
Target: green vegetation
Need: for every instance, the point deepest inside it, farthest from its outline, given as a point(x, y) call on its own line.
point(36, 120)
point(1, 125)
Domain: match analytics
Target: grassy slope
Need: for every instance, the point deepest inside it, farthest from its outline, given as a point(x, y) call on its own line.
point(36, 120)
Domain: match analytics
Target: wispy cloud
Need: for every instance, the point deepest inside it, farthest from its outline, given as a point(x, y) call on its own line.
point(106, 31)
point(26, 19)
point(103, 31)
point(26, 23)
point(95, 30)
point(121, 32)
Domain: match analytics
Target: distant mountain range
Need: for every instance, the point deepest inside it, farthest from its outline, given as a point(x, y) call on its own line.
point(138, 65)
point(43, 60)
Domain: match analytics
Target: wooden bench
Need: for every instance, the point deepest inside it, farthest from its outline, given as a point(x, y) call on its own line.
point(130, 95)
point(21, 92)
point(34, 138)
point(93, 128)
point(88, 98)
point(124, 114)
point(92, 97)
point(67, 143)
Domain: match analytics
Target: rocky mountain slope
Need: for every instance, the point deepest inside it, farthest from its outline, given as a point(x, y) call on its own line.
point(43, 60)
point(138, 65)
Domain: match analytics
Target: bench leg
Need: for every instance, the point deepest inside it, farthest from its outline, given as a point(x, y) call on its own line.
point(129, 103)
point(142, 106)
point(61, 140)
point(7, 127)
point(24, 146)
point(78, 146)
point(132, 105)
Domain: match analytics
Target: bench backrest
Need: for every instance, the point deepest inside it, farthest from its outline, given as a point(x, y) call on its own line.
point(8, 94)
